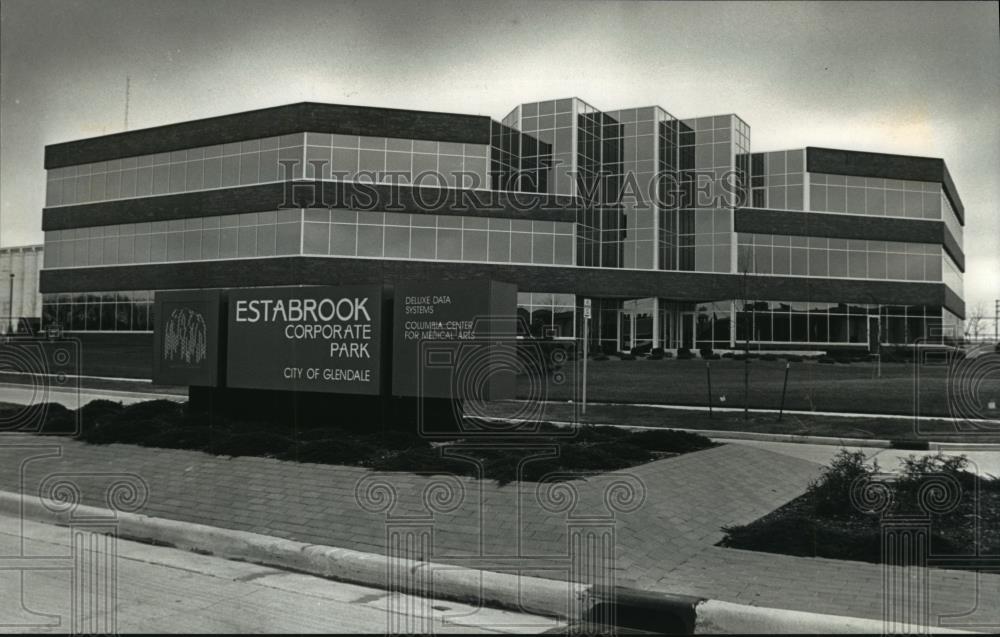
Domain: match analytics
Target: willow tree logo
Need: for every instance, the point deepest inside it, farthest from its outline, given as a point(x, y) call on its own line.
point(186, 337)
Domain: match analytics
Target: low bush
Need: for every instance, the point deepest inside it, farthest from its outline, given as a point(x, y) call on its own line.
point(828, 522)
point(831, 492)
point(626, 356)
point(826, 360)
point(684, 354)
point(670, 440)
point(768, 357)
point(169, 425)
point(344, 450)
point(793, 358)
point(58, 419)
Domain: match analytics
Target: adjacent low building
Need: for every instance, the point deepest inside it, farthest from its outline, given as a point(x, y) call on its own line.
point(21, 308)
point(679, 234)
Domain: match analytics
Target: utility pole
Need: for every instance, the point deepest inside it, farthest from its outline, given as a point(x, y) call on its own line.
point(996, 320)
point(128, 94)
point(10, 309)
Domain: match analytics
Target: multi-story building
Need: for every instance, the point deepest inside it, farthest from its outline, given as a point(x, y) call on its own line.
point(679, 234)
point(21, 307)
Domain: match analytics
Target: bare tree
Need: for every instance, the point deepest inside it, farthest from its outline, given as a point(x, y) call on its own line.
point(976, 322)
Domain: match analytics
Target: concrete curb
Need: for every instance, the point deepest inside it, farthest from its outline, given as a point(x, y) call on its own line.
point(526, 594)
point(766, 437)
point(567, 600)
point(698, 616)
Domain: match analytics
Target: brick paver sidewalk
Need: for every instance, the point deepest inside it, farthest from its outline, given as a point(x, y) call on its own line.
point(666, 516)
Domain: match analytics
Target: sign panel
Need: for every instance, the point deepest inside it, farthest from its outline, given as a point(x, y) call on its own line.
point(318, 339)
point(454, 339)
point(186, 337)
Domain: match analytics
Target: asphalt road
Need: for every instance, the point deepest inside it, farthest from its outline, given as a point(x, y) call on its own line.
point(73, 397)
point(166, 590)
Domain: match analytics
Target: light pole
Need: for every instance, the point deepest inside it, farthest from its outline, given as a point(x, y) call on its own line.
point(996, 320)
point(10, 309)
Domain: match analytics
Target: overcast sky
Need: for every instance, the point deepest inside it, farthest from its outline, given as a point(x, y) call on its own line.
point(911, 78)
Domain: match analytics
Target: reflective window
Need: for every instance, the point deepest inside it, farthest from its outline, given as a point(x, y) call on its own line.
point(547, 315)
point(839, 258)
point(130, 311)
point(316, 232)
point(440, 238)
point(777, 180)
point(257, 161)
point(875, 197)
point(198, 239)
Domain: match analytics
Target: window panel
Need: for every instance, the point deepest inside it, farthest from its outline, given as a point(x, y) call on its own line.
point(266, 240)
point(397, 242)
point(449, 244)
point(474, 245)
point(370, 241)
point(247, 242)
point(343, 239)
point(228, 240)
point(210, 244)
point(422, 243)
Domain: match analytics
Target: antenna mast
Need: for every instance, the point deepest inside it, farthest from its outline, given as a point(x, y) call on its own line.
point(128, 93)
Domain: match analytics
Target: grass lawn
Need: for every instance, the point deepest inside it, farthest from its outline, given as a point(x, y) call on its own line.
point(899, 429)
point(117, 355)
point(812, 386)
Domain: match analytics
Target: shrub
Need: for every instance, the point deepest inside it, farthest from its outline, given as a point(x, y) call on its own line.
point(670, 440)
point(668, 354)
point(341, 450)
point(626, 357)
point(98, 410)
point(684, 354)
point(831, 492)
point(792, 532)
point(642, 350)
point(58, 419)
point(918, 471)
point(793, 358)
point(768, 357)
point(827, 360)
